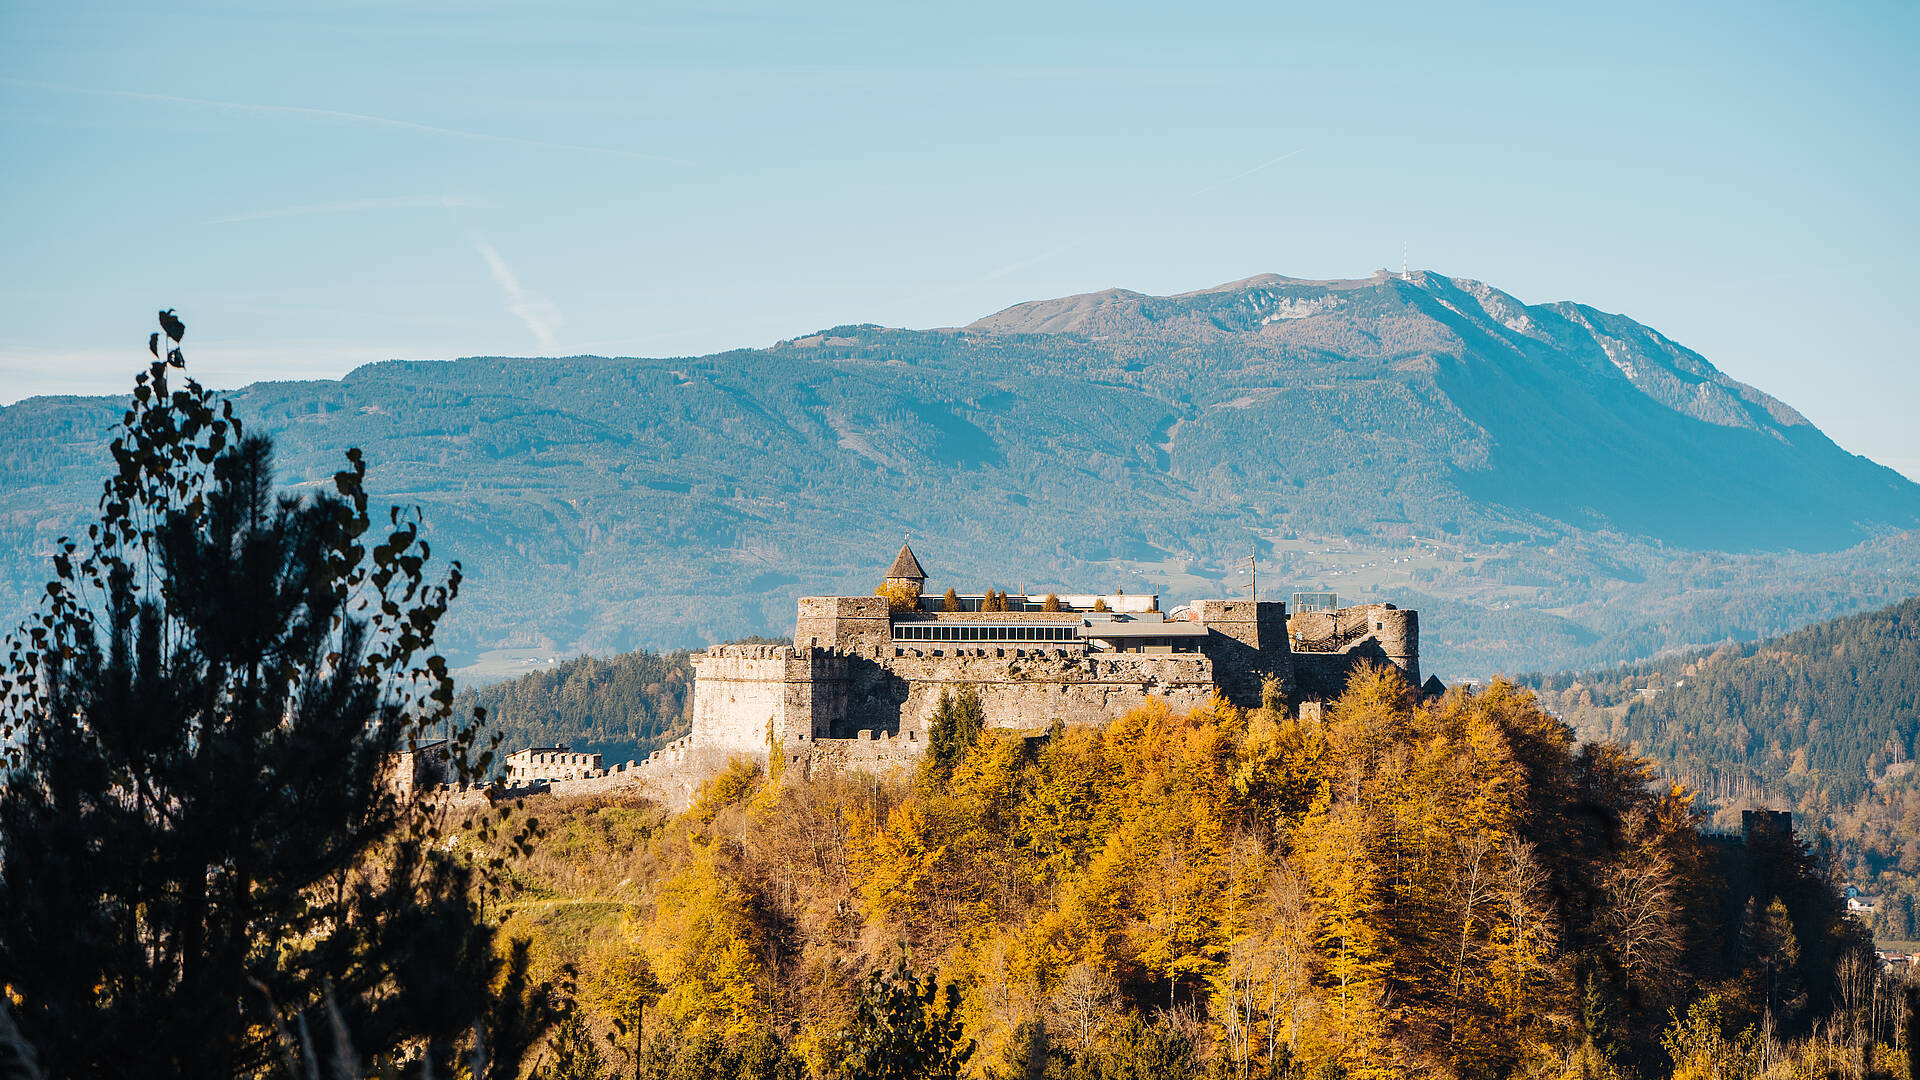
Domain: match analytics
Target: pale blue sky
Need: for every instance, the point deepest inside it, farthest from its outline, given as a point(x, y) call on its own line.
point(319, 186)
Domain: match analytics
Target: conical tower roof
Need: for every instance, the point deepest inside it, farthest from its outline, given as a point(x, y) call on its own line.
point(906, 567)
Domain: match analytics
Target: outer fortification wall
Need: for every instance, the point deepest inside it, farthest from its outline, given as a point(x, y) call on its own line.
point(1031, 688)
point(869, 751)
point(875, 706)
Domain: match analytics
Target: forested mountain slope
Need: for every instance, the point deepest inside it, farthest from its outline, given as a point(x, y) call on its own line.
point(1549, 484)
point(1825, 721)
point(623, 707)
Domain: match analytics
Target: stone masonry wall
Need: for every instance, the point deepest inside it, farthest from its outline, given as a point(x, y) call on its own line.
point(866, 702)
point(870, 752)
point(1032, 687)
point(843, 622)
point(1388, 635)
point(1248, 644)
point(738, 696)
point(813, 695)
point(742, 689)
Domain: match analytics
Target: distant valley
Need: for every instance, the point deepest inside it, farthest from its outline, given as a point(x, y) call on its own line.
point(1552, 486)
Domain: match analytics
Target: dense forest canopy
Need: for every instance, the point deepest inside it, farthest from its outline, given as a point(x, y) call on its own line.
point(1825, 720)
point(1448, 889)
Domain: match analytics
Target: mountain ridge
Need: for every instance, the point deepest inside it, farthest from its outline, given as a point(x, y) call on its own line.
point(1432, 441)
point(1611, 332)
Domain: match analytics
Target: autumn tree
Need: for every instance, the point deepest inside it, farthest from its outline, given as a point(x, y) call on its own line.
point(701, 944)
point(621, 986)
point(1344, 880)
point(1082, 1004)
point(900, 596)
point(1773, 955)
point(1702, 1048)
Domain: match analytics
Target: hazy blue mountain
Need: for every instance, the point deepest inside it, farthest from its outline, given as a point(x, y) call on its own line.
point(1550, 484)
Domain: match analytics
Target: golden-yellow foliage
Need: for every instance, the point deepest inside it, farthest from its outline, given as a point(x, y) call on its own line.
point(1379, 891)
point(901, 595)
point(701, 945)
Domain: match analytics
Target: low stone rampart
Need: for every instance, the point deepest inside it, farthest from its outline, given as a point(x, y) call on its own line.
point(869, 751)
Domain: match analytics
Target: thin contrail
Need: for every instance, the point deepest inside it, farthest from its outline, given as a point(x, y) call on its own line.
point(336, 114)
point(1042, 257)
point(538, 313)
point(1270, 162)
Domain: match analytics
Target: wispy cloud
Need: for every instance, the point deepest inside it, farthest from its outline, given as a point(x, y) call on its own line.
point(394, 202)
point(1040, 258)
point(27, 371)
point(336, 114)
point(538, 313)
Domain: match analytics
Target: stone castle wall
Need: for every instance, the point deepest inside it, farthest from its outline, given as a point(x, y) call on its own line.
point(845, 696)
point(869, 752)
point(745, 692)
point(1031, 688)
point(1248, 644)
point(1379, 633)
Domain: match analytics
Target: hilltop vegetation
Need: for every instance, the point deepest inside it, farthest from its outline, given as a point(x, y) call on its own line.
point(623, 707)
point(1825, 721)
point(1454, 889)
point(1555, 485)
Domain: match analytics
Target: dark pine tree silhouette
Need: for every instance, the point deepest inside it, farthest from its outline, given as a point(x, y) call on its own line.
point(904, 1028)
point(205, 866)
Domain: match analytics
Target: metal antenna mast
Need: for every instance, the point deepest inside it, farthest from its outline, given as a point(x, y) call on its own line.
point(1253, 574)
